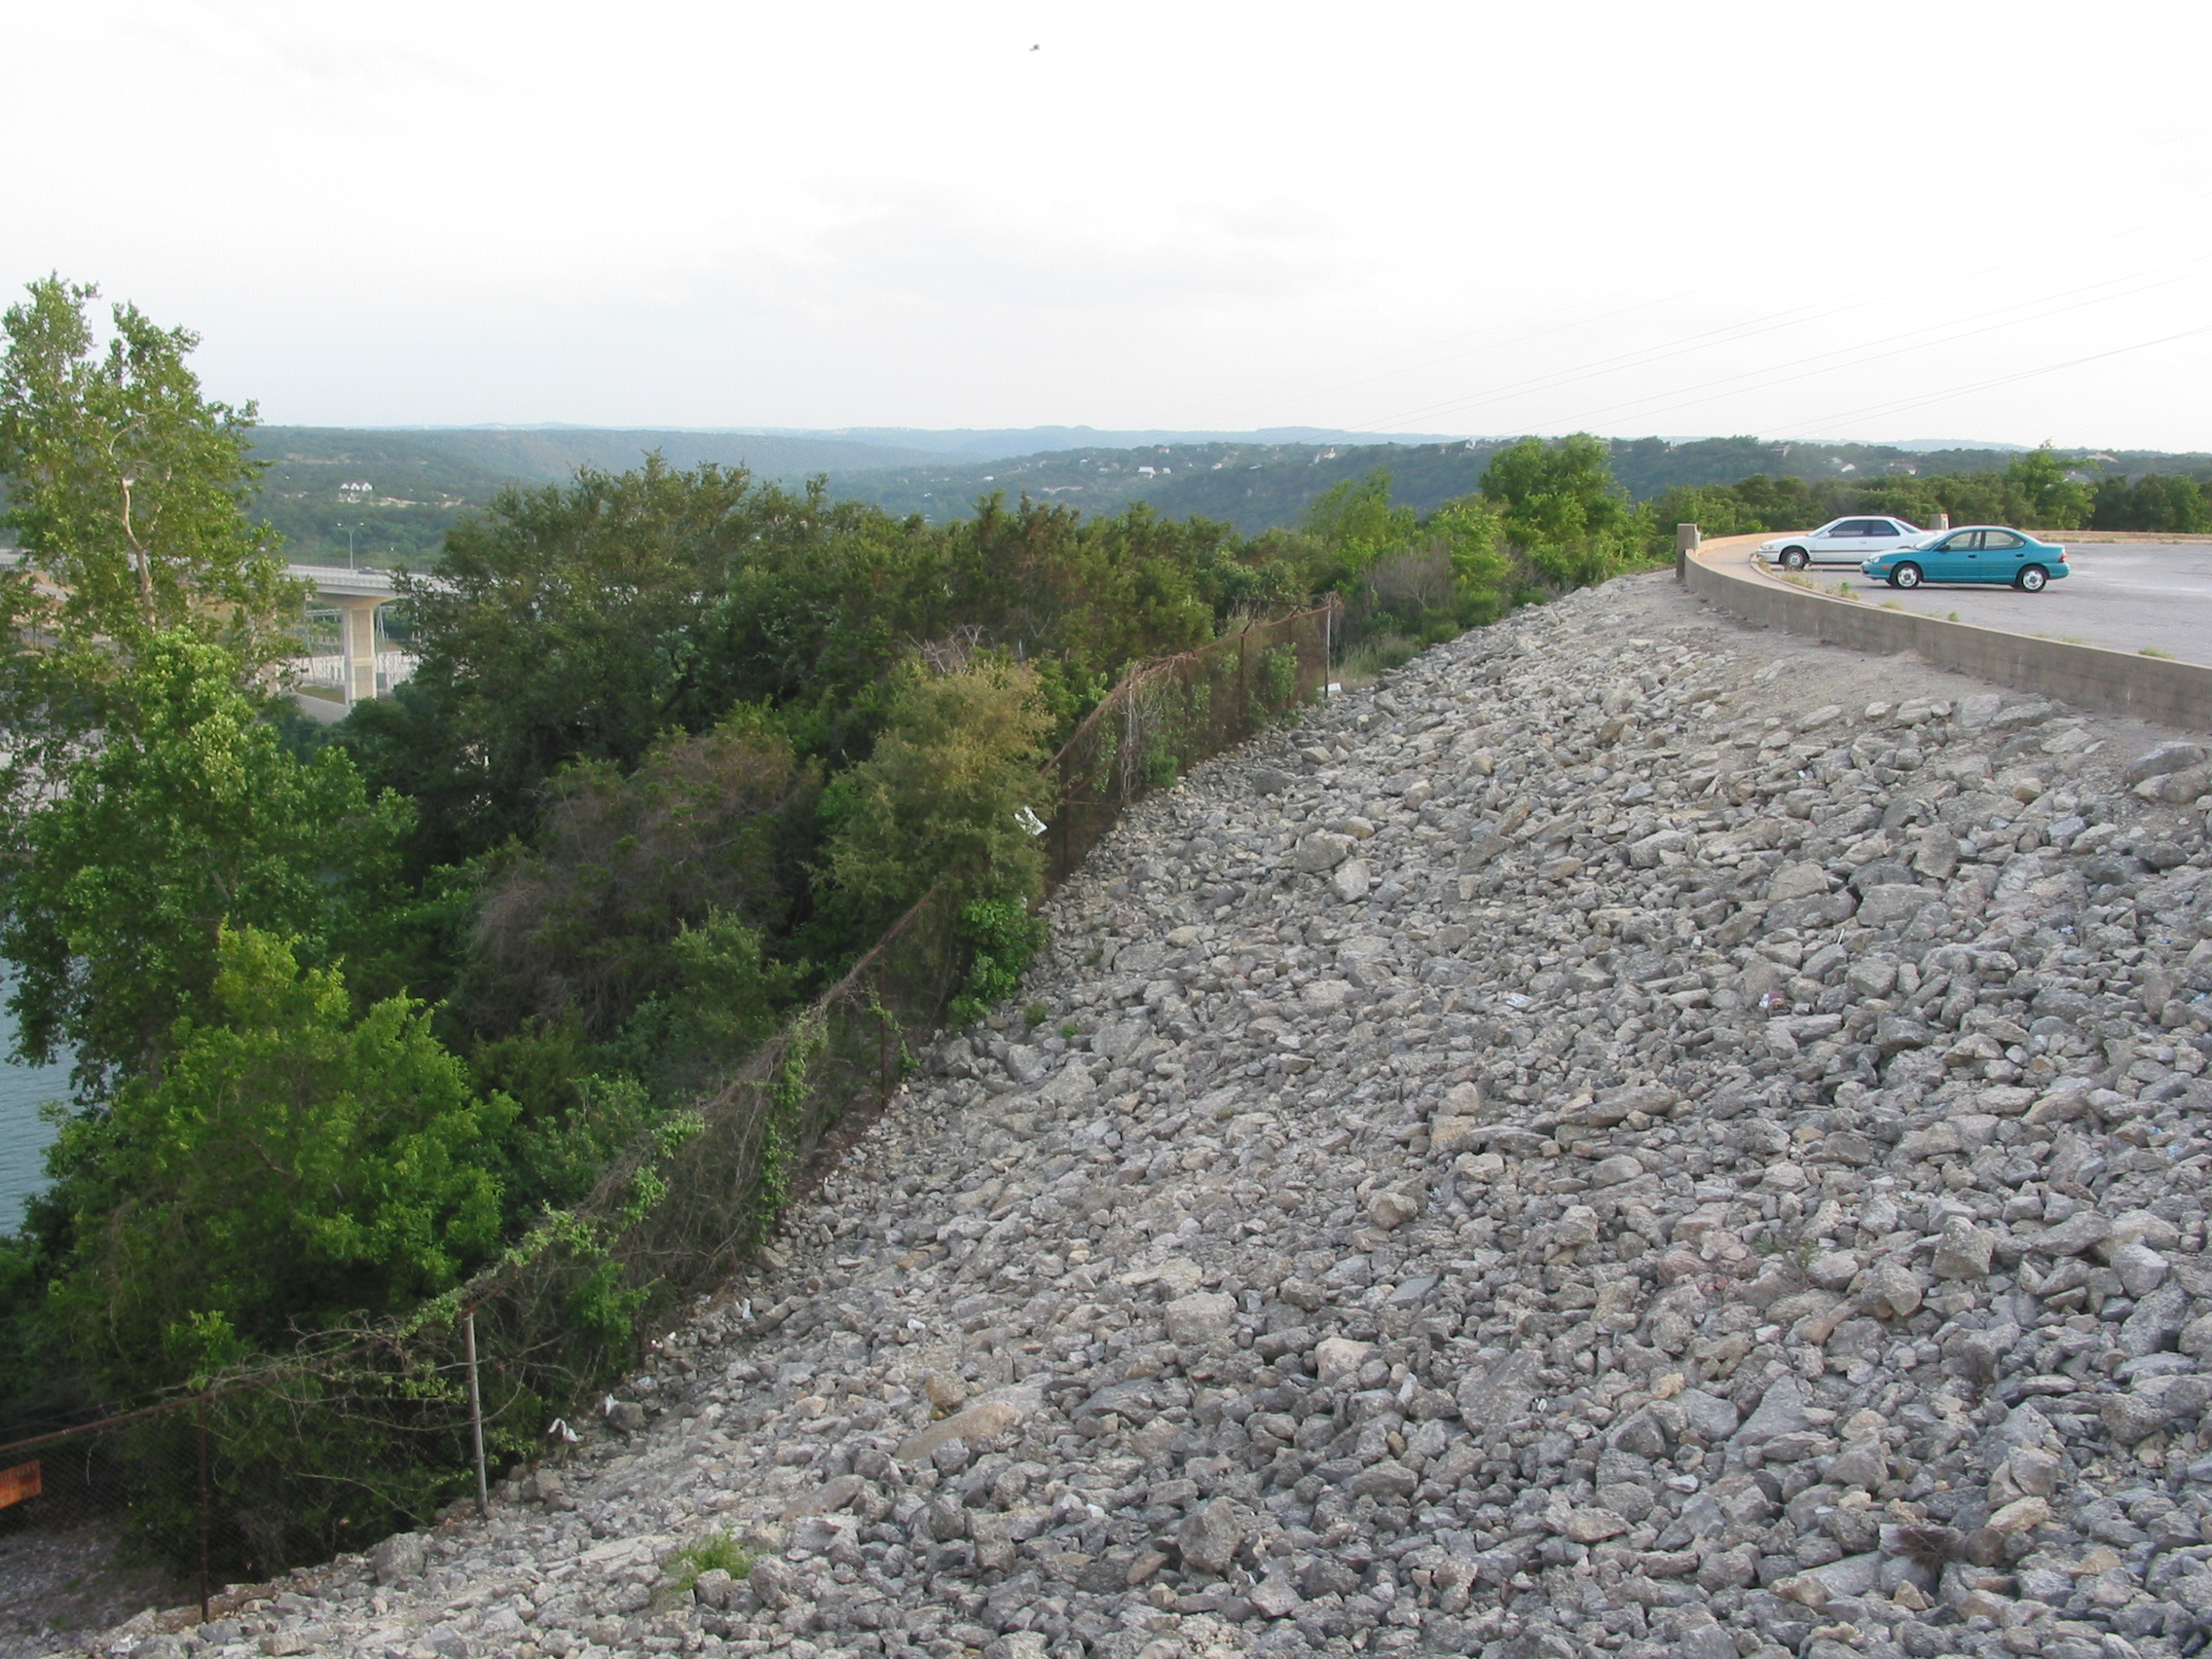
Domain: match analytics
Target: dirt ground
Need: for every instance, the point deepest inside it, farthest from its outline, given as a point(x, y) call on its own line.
point(1815, 673)
point(62, 1585)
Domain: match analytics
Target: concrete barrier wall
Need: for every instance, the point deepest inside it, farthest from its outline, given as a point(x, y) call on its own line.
point(2089, 676)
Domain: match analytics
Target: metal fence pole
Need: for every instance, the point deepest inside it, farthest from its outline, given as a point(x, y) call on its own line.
point(883, 1031)
point(204, 1616)
point(475, 1415)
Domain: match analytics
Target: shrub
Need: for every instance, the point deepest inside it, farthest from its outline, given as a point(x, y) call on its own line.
point(1002, 938)
point(716, 1552)
point(940, 796)
point(638, 885)
point(291, 1166)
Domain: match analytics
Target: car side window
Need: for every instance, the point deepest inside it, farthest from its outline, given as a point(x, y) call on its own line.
point(2001, 538)
point(1972, 541)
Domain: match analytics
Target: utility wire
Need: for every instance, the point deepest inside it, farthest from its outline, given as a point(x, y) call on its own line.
point(1666, 403)
point(1753, 328)
point(1872, 411)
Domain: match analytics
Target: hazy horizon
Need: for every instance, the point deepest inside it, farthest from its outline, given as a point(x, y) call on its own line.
point(1430, 218)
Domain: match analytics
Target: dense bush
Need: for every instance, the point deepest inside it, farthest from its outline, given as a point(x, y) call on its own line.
point(294, 1163)
point(188, 813)
point(942, 794)
point(354, 1010)
point(709, 831)
point(2153, 501)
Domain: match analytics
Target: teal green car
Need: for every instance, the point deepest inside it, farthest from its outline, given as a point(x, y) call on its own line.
point(1974, 553)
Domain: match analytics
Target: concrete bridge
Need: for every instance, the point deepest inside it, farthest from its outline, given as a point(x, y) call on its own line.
point(362, 667)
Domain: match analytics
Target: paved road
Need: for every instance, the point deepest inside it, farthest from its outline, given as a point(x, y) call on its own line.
point(2123, 595)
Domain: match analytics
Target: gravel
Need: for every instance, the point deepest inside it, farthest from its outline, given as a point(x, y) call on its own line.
point(1632, 1137)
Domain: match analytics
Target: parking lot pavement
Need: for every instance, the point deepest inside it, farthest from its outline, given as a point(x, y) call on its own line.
point(2121, 596)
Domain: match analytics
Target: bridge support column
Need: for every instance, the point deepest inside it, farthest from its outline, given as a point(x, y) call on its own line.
point(360, 645)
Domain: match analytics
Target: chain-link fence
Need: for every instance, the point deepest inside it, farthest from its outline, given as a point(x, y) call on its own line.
point(327, 1451)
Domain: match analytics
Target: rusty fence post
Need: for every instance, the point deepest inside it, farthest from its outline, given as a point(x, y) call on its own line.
point(475, 1415)
point(202, 1437)
point(1244, 722)
point(883, 1029)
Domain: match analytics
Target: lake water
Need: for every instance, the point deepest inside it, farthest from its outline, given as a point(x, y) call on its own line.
point(23, 1134)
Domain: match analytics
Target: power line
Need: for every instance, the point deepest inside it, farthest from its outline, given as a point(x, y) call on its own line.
point(1750, 329)
point(1668, 403)
point(1875, 410)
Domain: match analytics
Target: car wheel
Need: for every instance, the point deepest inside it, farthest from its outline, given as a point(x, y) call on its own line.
point(2033, 579)
point(1793, 558)
point(1905, 576)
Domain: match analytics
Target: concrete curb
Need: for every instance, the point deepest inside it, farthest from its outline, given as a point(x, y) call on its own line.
point(2155, 690)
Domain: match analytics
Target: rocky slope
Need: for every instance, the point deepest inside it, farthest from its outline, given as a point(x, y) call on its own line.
point(1636, 1136)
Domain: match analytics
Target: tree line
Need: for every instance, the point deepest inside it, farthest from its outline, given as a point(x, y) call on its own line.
point(350, 1008)
point(2038, 489)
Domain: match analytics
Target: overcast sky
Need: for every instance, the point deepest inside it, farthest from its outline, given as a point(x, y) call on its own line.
point(1942, 218)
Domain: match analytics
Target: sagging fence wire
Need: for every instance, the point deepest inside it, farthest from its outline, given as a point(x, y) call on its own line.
point(363, 1432)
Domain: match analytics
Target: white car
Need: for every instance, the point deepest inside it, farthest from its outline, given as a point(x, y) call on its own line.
point(1839, 541)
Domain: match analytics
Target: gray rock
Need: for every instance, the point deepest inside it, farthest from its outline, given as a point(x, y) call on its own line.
point(1199, 1318)
point(2072, 1237)
point(399, 1558)
point(2158, 762)
point(1323, 850)
point(1780, 1410)
point(1209, 1537)
point(1668, 1047)
point(1963, 1252)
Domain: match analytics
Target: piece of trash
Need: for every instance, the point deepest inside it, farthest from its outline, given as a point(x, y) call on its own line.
point(1772, 1001)
point(1029, 820)
point(607, 1406)
point(561, 1434)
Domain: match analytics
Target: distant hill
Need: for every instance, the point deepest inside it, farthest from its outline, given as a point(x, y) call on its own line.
point(421, 480)
point(1258, 486)
point(1007, 442)
point(393, 492)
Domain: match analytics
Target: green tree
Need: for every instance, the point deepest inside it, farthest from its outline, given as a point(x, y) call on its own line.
point(2153, 501)
point(941, 794)
point(1472, 536)
point(293, 1167)
point(2045, 498)
point(1357, 518)
point(1561, 509)
point(127, 488)
point(708, 832)
point(186, 815)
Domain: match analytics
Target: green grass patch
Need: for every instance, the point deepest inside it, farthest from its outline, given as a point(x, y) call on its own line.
point(1376, 656)
point(716, 1552)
